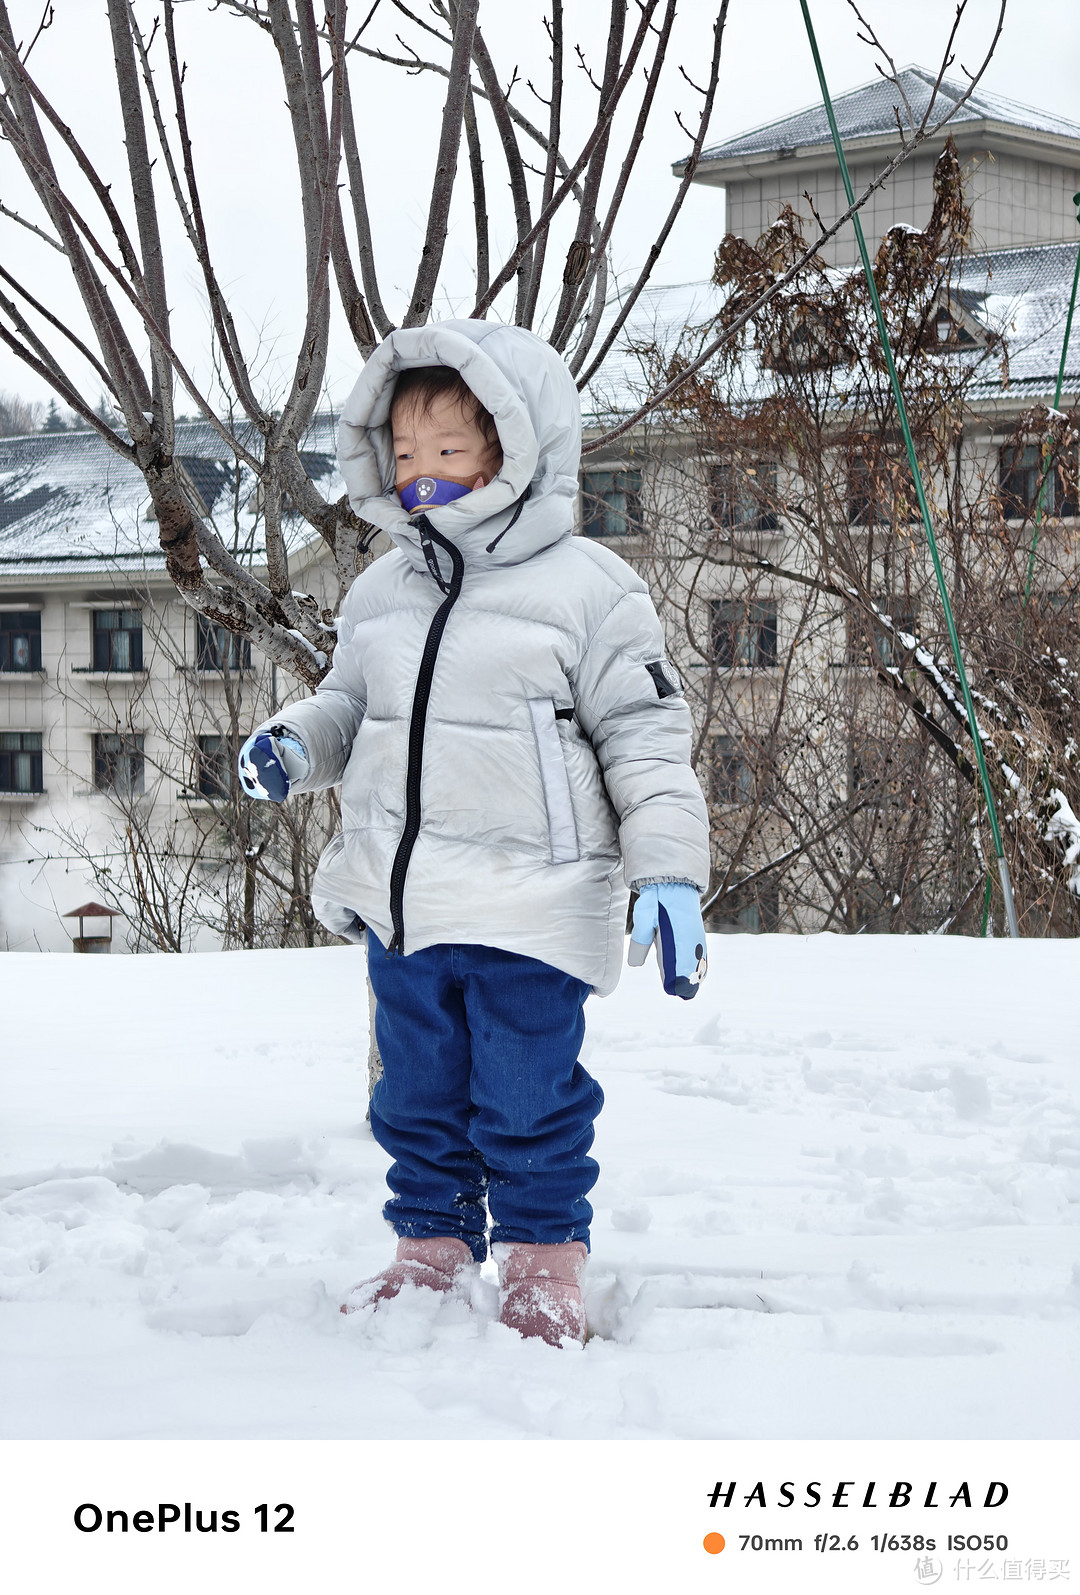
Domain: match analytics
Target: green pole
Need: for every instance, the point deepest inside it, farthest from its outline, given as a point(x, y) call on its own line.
point(1046, 459)
point(986, 905)
point(924, 509)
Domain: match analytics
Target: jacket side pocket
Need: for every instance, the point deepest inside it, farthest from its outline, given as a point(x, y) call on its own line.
point(562, 831)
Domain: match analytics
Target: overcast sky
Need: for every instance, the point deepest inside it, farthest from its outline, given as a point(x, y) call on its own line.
point(243, 154)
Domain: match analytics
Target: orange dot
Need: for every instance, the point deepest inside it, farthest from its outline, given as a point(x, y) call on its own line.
point(714, 1543)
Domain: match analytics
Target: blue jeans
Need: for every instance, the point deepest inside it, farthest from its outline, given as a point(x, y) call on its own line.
point(482, 1095)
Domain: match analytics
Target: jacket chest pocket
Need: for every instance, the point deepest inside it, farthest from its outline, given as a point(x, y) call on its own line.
point(562, 831)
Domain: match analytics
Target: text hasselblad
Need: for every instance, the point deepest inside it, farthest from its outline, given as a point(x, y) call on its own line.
point(849, 1492)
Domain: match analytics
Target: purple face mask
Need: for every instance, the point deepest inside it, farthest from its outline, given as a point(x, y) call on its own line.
point(428, 492)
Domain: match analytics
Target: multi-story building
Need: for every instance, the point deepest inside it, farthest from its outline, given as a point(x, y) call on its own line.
point(998, 317)
point(116, 698)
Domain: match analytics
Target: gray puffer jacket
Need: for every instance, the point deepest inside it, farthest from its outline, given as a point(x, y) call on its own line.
point(512, 746)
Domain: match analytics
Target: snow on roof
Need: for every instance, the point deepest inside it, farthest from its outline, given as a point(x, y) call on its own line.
point(868, 112)
point(658, 322)
point(69, 504)
point(1021, 292)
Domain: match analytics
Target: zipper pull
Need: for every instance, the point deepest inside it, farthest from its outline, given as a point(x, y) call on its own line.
point(431, 558)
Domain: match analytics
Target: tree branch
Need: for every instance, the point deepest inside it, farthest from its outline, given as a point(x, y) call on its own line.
point(442, 186)
point(655, 248)
point(607, 110)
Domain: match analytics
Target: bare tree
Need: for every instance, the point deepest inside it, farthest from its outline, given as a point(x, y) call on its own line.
point(18, 416)
point(558, 186)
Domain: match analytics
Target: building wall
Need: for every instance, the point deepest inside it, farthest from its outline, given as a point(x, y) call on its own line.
point(169, 704)
point(1020, 201)
point(827, 693)
point(1015, 200)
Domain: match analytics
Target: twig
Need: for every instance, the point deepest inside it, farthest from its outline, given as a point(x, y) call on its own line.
point(604, 116)
point(656, 247)
point(14, 216)
point(66, 332)
point(47, 18)
point(769, 293)
point(431, 253)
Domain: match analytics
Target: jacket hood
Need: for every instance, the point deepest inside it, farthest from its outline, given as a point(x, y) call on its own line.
point(530, 394)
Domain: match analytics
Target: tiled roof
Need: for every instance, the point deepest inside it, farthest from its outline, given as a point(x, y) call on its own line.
point(868, 111)
point(67, 502)
point(659, 321)
point(1021, 292)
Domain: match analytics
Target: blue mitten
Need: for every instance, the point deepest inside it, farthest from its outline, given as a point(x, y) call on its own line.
point(671, 915)
point(269, 761)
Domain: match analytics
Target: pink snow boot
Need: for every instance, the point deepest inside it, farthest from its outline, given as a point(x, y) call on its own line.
point(435, 1264)
point(542, 1290)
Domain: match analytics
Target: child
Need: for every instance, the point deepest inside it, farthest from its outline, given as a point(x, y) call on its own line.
point(513, 754)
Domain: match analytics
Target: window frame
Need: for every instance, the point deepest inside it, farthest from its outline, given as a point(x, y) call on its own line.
point(209, 651)
point(106, 763)
point(8, 756)
point(723, 504)
point(1018, 504)
point(813, 338)
point(595, 523)
point(875, 651)
point(859, 502)
point(212, 768)
point(748, 651)
point(103, 649)
point(9, 631)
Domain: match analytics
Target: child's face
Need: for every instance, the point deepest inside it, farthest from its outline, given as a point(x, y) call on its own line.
point(443, 441)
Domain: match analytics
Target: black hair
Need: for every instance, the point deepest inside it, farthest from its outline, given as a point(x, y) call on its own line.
point(422, 385)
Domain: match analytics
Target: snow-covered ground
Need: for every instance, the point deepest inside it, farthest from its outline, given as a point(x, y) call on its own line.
point(839, 1198)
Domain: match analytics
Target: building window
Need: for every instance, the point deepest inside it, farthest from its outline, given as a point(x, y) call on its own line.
point(118, 763)
point(20, 761)
point(742, 498)
point(881, 492)
point(731, 778)
point(870, 643)
point(118, 640)
point(1020, 475)
point(217, 648)
point(213, 772)
point(945, 329)
point(743, 633)
point(611, 503)
point(20, 641)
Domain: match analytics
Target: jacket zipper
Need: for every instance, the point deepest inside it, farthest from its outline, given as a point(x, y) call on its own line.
point(418, 721)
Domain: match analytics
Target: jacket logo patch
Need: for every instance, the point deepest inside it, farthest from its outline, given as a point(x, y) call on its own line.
point(665, 678)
